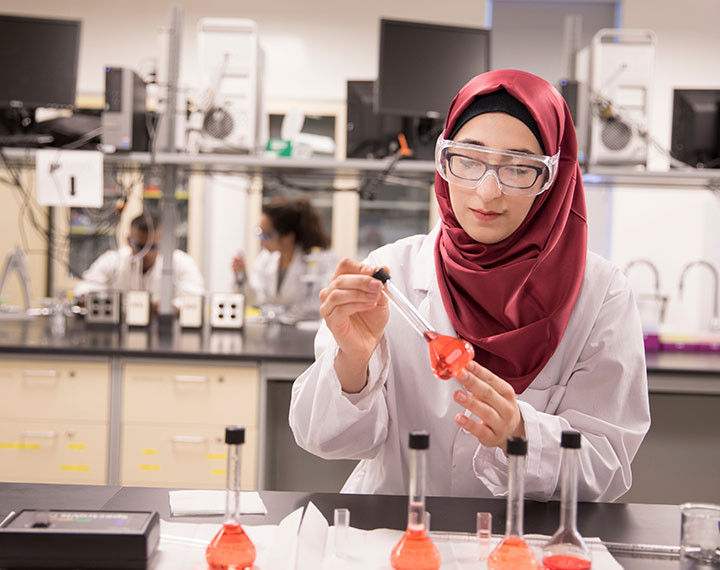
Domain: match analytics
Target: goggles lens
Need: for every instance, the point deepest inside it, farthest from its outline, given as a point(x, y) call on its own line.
point(517, 173)
point(265, 236)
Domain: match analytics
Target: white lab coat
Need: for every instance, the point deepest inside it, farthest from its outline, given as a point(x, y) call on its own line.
point(111, 272)
point(595, 382)
point(306, 275)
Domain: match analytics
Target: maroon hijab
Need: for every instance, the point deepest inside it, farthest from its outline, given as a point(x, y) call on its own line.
point(512, 300)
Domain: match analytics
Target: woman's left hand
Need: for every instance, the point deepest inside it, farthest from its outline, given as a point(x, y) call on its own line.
point(492, 400)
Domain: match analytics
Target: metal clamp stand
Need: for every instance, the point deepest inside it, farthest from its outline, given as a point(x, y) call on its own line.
point(17, 261)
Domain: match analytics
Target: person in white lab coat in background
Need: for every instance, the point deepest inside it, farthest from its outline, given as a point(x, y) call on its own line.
point(557, 336)
point(295, 261)
point(138, 266)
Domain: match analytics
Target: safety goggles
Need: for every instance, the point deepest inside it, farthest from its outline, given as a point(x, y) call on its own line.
point(265, 236)
point(516, 173)
point(140, 246)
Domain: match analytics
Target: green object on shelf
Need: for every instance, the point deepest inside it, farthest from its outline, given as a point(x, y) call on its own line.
point(279, 147)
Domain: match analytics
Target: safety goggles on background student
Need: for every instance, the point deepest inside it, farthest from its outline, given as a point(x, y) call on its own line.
point(516, 173)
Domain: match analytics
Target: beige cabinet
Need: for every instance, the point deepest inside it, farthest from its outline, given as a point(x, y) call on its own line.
point(173, 423)
point(54, 421)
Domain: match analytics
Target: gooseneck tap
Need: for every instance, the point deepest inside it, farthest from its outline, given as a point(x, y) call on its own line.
point(715, 322)
point(656, 276)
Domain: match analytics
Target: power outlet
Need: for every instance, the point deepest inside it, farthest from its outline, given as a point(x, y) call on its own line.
point(226, 310)
point(103, 307)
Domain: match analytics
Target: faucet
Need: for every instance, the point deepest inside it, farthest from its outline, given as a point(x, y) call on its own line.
point(715, 322)
point(656, 275)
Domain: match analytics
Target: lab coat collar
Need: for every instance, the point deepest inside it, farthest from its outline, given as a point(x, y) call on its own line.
point(424, 273)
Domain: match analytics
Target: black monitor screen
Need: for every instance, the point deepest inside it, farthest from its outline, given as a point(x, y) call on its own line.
point(39, 62)
point(695, 136)
point(369, 134)
point(422, 66)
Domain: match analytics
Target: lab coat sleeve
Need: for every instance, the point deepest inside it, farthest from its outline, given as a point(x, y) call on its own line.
point(605, 399)
point(331, 423)
point(258, 280)
point(188, 279)
point(99, 275)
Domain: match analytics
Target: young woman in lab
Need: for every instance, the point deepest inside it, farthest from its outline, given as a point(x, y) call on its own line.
point(295, 262)
point(557, 338)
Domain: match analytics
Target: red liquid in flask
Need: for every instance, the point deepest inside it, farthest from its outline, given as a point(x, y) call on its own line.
point(449, 355)
point(231, 549)
point(415, 551)
point(565, 562)
point(513, 554)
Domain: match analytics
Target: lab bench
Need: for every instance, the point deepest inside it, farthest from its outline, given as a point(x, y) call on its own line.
point(147, 407)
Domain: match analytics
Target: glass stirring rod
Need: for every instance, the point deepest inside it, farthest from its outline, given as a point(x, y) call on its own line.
point(448, 355)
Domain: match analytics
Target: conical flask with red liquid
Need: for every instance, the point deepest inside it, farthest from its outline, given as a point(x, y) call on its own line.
point(231, 548)
point(567, 550)
point(513, 553)
point(448, 355)
point(415, 550)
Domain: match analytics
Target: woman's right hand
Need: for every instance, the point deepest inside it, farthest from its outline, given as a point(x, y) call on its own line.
point(238, 264)
point(356, 313)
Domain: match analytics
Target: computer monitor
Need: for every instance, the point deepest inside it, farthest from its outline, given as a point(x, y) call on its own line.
point(369, 134)
point(695, 138)
point(422, 66)
point(38, 62)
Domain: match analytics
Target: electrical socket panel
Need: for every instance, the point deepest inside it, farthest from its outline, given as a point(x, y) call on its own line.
point(191, 311)
point(226, 310)
point(69, 178)
point(103, 307)
point(137, 308)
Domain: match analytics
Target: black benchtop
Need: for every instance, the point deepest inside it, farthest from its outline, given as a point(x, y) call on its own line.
point(256, 341)
point(614, 523)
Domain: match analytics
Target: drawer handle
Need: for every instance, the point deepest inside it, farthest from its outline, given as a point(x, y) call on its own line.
point(49, 434)
point(189, 439)
point(190, 379)
point(40, 373)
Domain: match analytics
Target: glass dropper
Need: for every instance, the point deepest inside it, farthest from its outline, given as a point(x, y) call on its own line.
point(448, 355)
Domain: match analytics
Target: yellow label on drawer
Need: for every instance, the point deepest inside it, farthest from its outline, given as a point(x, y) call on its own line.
point(149, 451)
point(218, 471)
point(222, 456)
point(74, 468)
point(13, 445)
point(76, 446)
point(146, 467)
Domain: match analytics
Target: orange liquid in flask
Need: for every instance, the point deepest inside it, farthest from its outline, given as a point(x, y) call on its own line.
point(231, 549)
point(513, 554)
point(448, 355)
point(415, 551)
point(565, 562)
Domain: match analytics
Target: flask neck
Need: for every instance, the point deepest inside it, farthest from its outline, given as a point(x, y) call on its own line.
point(416, 490)
point(568, 489)
point(515, 496)
point(232, 484)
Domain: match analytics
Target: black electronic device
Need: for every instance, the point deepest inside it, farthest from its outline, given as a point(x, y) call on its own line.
point(112, 540)
point(422, 66)
point(695, 138)
point(369, 134)
point(39, 62)
point(125, 120)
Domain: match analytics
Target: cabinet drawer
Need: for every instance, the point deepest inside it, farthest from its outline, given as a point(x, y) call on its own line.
point(49, 452)
point(191, 456)
point(160, 393)
point(46, 389)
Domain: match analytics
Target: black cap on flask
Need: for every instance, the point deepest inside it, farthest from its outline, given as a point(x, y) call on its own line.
point(516, 446)
point(419, 440)
point(570, 439)
point(234, 435)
